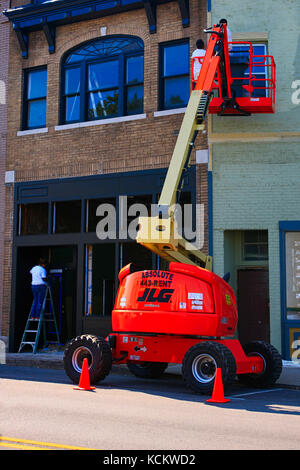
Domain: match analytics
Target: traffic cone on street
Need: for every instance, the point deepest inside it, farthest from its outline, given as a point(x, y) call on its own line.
point(84, 382)
point(218, 392)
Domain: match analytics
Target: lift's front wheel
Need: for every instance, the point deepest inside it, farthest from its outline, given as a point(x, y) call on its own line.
point(96, 350)
point(200, 364)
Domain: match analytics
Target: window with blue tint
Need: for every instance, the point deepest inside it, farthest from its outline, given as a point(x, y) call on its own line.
point(134, 70)
point(176, 60)
point(103, 75)
point(102, 79)
point(103, 104)
point(176, 92)
point(72, 94)
point(174, 75)
point(72, 108)
point(72, 81)
point(35, 98)
point(103, 86)
point(134, 84)
point(239, 59)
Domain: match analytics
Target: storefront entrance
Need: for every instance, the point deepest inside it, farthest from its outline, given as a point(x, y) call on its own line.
point(61, 271)
point(85, 227)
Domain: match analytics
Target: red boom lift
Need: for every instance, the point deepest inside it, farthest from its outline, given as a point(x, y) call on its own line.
point(186, 315)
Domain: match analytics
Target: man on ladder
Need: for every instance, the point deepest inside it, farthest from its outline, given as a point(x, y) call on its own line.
point(39, 286)
point(42, 300)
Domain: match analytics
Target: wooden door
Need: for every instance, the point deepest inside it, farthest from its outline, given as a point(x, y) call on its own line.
point(253, 305)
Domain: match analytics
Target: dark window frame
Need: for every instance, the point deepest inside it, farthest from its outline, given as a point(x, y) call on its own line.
point(260, 243)
point(84, 92)
point(21, 215)
point(162, 77)
point(26, 100)
point(261, 73)
point(55, 226)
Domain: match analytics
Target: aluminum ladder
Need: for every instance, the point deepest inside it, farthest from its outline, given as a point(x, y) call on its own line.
point(33, 328)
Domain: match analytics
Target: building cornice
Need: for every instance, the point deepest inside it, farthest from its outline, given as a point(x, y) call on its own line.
point(48, 15)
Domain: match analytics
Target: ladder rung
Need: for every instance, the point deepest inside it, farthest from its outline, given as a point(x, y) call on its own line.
point(45, 317)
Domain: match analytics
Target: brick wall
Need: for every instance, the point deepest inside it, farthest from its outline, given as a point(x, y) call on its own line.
point(4, 51)
point(148, 143)
point(107, 148)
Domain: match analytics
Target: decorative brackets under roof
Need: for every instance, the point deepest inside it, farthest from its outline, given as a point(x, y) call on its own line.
point(150, 8)
point(48, 15)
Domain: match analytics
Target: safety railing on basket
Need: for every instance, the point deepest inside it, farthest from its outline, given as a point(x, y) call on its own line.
point(252, 75)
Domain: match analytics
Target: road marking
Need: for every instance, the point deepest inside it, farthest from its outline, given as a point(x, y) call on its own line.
point(259, 391)
point(37, 443)
point(20, 447)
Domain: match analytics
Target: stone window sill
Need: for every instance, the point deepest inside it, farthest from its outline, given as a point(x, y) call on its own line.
point(41, 130)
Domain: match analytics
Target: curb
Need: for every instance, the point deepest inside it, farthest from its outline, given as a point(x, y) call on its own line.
point(55, 361)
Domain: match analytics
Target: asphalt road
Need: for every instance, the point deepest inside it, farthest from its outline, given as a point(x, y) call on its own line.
point(39, 408)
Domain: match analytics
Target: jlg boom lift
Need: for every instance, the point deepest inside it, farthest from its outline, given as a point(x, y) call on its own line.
point(186, 315)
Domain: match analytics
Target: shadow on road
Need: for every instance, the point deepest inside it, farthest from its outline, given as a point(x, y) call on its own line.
point(276, 400)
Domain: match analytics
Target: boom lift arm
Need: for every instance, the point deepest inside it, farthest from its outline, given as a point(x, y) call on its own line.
point(159, 233)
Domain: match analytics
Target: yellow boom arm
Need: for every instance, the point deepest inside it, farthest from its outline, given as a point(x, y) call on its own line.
point(159, 233)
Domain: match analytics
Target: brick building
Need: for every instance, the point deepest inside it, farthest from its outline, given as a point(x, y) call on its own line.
point(97, 92)
point(255, 166)
point(4, 41)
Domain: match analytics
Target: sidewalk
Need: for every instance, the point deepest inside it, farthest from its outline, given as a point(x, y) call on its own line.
point(290, 375)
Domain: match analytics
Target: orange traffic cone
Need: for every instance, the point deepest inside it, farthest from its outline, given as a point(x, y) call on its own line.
point(84, 382)
point(218, 393)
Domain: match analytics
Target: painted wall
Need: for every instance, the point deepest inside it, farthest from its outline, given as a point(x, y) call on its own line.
point(256, 159)
point(281, 21)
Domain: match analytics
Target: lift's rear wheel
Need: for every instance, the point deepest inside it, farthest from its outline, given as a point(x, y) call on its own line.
point(200, 365)
point(147, 370)
point(272, 365)
point(96, 350)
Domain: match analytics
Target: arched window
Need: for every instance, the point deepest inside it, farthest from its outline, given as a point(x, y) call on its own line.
point(103, 79)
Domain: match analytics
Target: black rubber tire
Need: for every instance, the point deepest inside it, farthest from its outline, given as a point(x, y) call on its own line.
point(147, 370)
point(272, 365)
point(98, 353)
point(200, 365)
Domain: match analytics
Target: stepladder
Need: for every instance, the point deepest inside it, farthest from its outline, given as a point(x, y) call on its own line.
point(40, 329)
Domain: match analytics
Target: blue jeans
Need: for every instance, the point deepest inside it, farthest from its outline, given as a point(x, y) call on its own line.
point(39, 292)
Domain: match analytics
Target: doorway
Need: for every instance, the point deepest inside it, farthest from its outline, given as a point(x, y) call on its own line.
point(61, 271)
point(253, 305)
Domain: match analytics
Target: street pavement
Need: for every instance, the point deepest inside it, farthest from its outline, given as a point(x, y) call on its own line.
point(290, 375)
point(41, 407)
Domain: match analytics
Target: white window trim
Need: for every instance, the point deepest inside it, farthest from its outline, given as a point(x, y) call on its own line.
point(168, 112)
point(40, 130)
point(100, 122)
